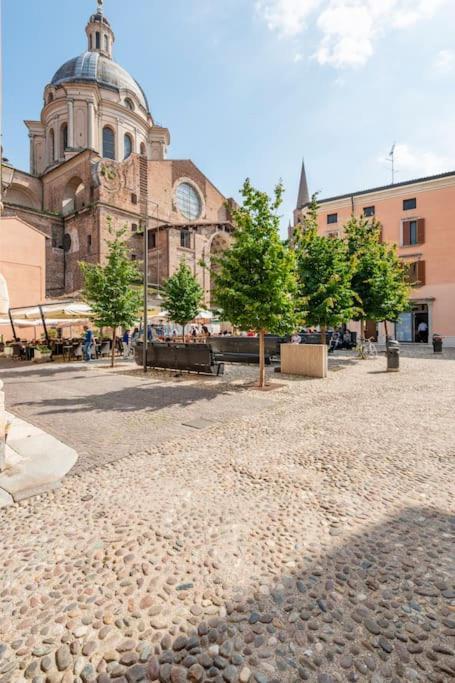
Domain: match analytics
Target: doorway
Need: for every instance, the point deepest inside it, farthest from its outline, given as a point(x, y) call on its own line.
point(413, 325)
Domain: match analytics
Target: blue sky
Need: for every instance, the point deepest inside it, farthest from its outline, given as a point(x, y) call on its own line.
point(248, 87)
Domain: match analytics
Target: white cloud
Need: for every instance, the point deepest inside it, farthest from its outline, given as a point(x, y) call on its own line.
point(411, 162)
point(348, 29)
point(287, 17)
point(444, 62)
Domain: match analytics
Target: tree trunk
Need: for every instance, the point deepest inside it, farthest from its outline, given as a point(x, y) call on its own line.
point(323, 334)
point(183, 332)
point(386, 334)
point(362, 330)
point(261, 359)
point(113, 346)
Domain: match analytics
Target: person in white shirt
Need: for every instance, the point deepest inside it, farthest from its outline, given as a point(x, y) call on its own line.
point(422, 332)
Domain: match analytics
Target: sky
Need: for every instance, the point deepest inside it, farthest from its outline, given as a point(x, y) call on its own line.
point(248, 88)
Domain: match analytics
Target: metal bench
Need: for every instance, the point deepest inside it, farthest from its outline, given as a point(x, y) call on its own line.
point(244, 349)
point(175, 356)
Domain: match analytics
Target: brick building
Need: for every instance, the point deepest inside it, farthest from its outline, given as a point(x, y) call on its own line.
point(418, 216)
point(97, 152)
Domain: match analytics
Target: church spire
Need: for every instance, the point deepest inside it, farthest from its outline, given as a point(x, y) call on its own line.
point(99, 32)
point(304, 195)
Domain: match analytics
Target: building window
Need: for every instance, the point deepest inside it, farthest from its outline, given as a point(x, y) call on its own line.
point(108, 143)
point(89, 243)
point(185, 239)
point(50, 98)
point(416, 273)
point(129, 104)
point(413, 232)
point(409, 204)
point(151, 239)
point(368, 211)
point(133, 227)
point(133, 198)
point(332, 218)
point(51, 145)
point(143, 150)
point(127, 146)
point(188, 201)
point(64, 138)
point(98, 40)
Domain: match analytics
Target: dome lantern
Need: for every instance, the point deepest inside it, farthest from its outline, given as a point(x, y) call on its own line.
point(99, 33)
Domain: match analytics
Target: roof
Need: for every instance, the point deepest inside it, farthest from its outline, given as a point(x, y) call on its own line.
point(304, 195)
point(94, 67)
point(387, 187)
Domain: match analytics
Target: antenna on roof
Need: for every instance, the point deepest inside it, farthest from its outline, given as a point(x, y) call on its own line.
point(392, 161)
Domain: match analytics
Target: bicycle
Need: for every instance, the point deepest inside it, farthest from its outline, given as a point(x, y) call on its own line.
point(366, 348)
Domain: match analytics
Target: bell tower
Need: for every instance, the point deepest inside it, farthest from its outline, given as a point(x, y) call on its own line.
point(99, 33)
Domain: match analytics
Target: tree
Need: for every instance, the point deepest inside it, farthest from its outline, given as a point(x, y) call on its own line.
point(182, 296)
point(380, 277)
point(254, 280)
point(109, 288)
point(324, 276)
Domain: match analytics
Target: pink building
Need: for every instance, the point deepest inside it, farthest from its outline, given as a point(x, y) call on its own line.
point(418, 216)
point(23, 268)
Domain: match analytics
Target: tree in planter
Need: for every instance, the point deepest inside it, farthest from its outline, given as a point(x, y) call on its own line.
point(324, 276)
point(380, 278)
point(254, 281)
point(182, 296)
point(110, 288)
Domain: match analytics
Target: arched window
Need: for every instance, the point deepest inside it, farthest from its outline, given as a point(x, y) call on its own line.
point(127, 146)
point(63, 139)
point(50, 97)
point(106, 43)
point(108, 143)
point(51, 145)
point(129, 104)
point(98, 40)
point(143, 150)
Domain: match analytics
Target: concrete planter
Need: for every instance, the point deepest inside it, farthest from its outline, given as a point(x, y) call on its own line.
point(309, 360)
point(8, 351)
point(41, 356)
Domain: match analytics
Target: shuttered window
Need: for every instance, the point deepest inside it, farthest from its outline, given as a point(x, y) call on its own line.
point(413, 232)
point(416, 273)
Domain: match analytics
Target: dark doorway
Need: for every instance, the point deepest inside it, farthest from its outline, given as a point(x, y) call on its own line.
point(421, 323)
point(371, 330)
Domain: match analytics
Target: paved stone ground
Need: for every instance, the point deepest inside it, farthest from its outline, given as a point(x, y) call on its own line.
point(311, 540)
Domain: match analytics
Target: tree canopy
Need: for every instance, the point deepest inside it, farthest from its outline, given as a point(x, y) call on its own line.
point(325, 270)
point(182, 296)
point(109, 288)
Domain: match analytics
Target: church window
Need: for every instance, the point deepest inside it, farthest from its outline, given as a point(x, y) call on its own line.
point(185, 239)
point(127, 146)
point(64, 136)
point(133, 198)
point(50, 97)
point(98, 40)
point(188, 201)
point(129, 104)
point(89, 243)
point(51, 145)
point(108, 143)
point(143, 150)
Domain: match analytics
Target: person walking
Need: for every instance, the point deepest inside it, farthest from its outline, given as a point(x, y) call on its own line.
point(88, 341)
point(422, 331)
point(126, 344)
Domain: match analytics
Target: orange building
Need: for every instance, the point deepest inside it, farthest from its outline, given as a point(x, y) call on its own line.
point(22, 268)
point(419, 216)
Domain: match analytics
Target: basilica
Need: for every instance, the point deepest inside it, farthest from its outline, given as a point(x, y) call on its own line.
point(97, 154)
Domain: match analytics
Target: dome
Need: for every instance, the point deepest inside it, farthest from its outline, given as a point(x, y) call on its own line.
point(94, 67)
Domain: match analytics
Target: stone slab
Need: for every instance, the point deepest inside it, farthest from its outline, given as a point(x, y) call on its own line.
point(309, 360)
point(35, 461)
point(5, 499)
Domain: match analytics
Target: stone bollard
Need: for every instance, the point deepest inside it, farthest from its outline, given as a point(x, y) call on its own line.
point(2, 427)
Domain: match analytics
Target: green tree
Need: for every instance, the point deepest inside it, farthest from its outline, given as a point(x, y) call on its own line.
point(182, 296)
point(254, 280)
point(380, 277)
point(109, 288)
point(325, 273)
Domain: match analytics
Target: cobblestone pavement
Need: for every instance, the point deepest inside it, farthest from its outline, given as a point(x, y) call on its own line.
point(311, 540)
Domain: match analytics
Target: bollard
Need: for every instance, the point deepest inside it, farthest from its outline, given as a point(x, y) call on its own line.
point(437, 343)
point(393, 356)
